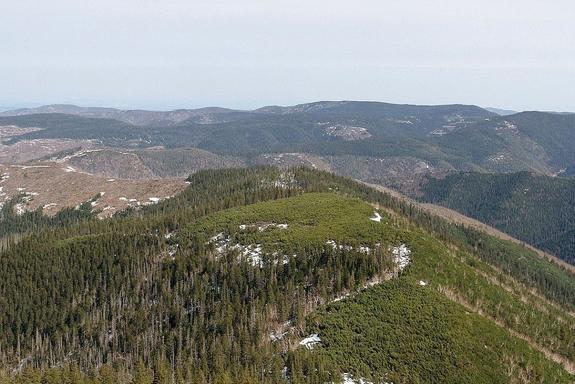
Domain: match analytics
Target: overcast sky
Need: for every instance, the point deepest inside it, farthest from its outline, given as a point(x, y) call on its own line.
point(165, 54)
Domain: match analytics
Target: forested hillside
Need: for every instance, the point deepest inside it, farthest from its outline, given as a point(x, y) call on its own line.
point(537, 209)
point(262, 275)
point(441, 138)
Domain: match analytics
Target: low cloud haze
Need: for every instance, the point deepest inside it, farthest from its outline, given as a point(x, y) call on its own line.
point(244, 54)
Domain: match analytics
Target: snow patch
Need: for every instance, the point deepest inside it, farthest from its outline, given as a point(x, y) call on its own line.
point(402, 256)
point(348, 379)
point(280, 333)
point(376, 217)
point(497, 158)
point(286, 180)
point(311, 341)
point(20, 209)
point(341, 297)
point(263, 227)
point(423, 283)
point(252, 253)
point(399, 121)
point(347, 132)
point(32, 166)
point(335, 245)
point(364, 249)
point(172, 250)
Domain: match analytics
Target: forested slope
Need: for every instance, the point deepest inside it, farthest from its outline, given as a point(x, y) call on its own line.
point(224, 282)
point(537, 209)
point(444, 138)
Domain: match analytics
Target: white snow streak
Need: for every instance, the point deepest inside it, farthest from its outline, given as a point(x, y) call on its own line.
point(402, 256)
point(376, 217)
point(311, 341)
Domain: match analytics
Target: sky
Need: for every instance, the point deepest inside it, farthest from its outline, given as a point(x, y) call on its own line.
point(166, 54)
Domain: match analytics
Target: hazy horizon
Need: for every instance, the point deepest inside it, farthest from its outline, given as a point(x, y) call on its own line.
point(141, 54)
point(6, 108)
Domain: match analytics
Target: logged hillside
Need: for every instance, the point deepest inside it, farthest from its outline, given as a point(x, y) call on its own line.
point(345, 127)
point(537, 209)
point(53, 186)
point(61, 126)
point(358, 139)
point(260, 275)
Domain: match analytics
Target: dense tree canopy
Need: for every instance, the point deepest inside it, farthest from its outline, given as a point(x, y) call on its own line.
point(173, 293)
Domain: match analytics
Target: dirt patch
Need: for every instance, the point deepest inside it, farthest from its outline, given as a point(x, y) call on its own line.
point(55, 186)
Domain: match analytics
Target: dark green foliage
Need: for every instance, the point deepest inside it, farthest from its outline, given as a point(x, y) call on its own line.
point(29, 221)
point(394, 129)
point(404, 333)
point(54, 126)
point(127, 298)
point(447, 137)
point(537, 209)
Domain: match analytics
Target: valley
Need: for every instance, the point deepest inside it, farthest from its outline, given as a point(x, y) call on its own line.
point(537, 209)
point(218, 192)
point(197, 246)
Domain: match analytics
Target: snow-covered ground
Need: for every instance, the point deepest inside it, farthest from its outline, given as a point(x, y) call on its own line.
point(364, 249)
point(402, 256)
point(31, 166)
point(349, 379)
point(263, 227)
point(347, 132)
point(335, 245)
point(376, 217)
point(361, 249)
point(282, 331)
point(136, 203)
point(20, 209)
point(252, 253)
point(311, 341)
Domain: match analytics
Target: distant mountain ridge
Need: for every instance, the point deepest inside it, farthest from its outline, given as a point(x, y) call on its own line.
point(501, 112)
point(135, 117)
point(358, 136)
point(208, 114)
